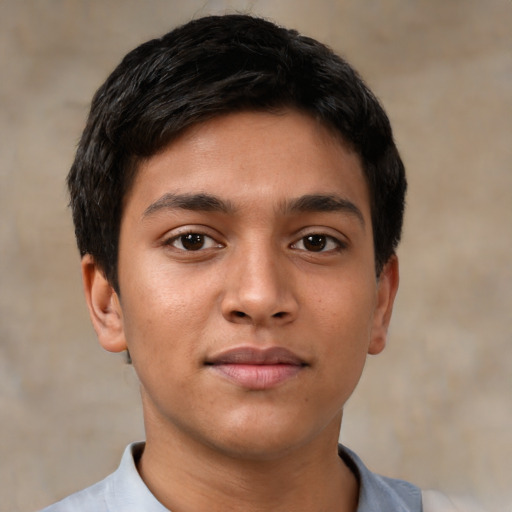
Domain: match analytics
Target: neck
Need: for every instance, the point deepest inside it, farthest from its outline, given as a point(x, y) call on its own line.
point(187, 476)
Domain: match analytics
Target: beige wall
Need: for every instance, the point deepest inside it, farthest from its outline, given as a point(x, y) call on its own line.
point(436, 407)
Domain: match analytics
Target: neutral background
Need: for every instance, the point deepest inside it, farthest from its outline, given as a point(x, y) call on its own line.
point(436, 407)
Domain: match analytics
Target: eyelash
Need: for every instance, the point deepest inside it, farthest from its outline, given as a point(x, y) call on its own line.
point(181, 236)
point(323, 242)
point(326, 242)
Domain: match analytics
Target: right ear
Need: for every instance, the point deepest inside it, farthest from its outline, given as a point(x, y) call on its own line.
point(104, 306)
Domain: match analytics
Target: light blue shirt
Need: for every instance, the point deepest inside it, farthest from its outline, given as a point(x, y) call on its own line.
point(124, 490)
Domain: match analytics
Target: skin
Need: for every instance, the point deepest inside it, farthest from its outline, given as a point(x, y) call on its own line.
point(253, 279)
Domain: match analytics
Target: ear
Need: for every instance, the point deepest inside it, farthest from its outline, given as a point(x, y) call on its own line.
point(104, 306)
point(387, 287)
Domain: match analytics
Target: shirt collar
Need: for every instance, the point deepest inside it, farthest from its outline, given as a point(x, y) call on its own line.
point(127, 492)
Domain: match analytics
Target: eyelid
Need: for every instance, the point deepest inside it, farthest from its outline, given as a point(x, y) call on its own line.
point(205, 247)
point(175, 234)
point(339, 239)
point(338, 244)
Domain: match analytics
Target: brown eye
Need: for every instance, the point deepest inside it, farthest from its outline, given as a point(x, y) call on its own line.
point(314, 243)
point(192, 241)
point(319, 242)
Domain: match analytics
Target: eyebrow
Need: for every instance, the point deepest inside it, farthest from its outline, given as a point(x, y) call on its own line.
point(209, 203)
point(193, 202)
point(323, 203)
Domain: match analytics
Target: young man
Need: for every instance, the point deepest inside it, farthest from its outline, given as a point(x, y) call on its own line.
point(238, 199)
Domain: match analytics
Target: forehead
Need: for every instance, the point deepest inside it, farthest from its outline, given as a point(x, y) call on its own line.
point(250, 156)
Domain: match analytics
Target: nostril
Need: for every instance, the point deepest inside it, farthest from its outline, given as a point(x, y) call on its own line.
point(240, 314)
point(279, 315)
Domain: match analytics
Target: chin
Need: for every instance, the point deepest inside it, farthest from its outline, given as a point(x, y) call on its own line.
point(258, 449)
point(264, 440)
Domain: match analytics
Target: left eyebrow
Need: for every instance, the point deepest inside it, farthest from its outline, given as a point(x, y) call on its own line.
point(323, 203)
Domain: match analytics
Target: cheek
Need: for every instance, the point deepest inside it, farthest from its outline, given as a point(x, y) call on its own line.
point(342, 324)
point(157, 288)
point(345, 307)
point(166, 312)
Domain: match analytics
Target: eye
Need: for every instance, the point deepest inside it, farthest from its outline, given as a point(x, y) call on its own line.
point(318, 243)
point(192, 242)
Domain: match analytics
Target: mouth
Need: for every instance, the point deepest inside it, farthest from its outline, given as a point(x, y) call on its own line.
point(255, 368)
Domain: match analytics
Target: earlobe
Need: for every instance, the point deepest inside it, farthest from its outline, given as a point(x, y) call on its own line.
point(104, 307)
point(386, 293)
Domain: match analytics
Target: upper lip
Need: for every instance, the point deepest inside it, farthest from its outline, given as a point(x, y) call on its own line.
point(255, 355)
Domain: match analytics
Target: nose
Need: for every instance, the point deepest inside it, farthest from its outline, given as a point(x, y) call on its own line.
point(259, 289)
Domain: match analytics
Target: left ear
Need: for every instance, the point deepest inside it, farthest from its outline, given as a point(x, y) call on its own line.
point(387, 287)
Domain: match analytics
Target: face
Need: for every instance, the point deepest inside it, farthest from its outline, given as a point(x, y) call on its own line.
point(248, 296)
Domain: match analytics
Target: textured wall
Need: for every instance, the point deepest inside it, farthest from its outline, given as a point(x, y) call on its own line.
point(436, 406)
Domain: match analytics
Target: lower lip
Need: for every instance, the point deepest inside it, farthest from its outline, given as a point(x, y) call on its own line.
point(258, 376)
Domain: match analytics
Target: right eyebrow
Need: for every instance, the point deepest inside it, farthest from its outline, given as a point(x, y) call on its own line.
point(194, 202)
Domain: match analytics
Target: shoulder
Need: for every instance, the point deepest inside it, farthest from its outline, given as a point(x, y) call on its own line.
point(435, 501)
point(392, 495)
point(122, 490)
point(90, 499)
point(381, 493)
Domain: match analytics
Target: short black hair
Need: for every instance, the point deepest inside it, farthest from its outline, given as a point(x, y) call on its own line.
point(212, 66)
